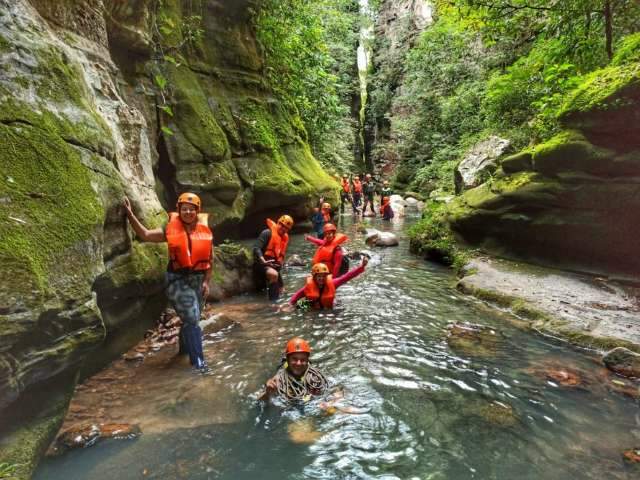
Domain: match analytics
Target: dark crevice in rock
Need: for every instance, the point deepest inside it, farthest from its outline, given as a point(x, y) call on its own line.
point(165, 173)
point(12, 122)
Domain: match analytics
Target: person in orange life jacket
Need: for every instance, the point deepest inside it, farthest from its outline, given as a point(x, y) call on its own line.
point(329, 250)
point(268, 253)
point(320, 288)
point(190, 243)
point(357, 194)
point(321, 216)
point(385, 209)
point(345, 192)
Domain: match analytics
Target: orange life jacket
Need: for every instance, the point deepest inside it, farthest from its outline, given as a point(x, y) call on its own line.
point(277, 245)
point(192, 250)
point(326, 215)
point(346, 188)
point(357, 186)
point(312, 292)
point(383, 206)
point(325, 252)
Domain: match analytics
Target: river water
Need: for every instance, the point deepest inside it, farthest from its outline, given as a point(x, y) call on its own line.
point(425, 409)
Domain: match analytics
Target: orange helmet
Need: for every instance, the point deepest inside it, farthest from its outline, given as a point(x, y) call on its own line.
point(286, 220)
point(329, 227)
point(191, 198)
point(297, 344)
point(326, 206)
point(319, 269)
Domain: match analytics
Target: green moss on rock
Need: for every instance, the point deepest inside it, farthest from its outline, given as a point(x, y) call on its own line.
point(628, 50)
point(48, 204)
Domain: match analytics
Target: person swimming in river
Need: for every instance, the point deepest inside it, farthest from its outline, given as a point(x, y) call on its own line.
point(296, 379)
point(320, 288)
point(269, 253)
point(330, 251)
point(190, 243)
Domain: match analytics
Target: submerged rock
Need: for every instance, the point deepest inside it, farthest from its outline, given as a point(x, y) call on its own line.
point(497, 413)
point(83, 436)
point(303, 431)
point(473, 339)
point(558, 373)
point(623, 362)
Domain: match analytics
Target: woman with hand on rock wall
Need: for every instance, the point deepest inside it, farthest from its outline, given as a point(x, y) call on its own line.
point(190, 244)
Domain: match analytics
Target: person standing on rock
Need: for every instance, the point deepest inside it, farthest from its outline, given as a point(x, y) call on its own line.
point(320, 288)
point(369, 191)
point(345, 193)
point(329, 250)
point(190, 244)
point(269, 252)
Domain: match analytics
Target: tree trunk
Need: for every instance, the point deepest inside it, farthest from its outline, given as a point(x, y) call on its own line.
point(608, 28)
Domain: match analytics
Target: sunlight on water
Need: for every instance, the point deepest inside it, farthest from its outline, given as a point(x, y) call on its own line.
point(420, 406)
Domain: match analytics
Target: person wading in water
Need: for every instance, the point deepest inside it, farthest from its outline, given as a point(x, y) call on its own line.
point(269, 252)
point(329, 250)
point(320, 288)
point(190, 243)
point(345, 193)
point(295, 379)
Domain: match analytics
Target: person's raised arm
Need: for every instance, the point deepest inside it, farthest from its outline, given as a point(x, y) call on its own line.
point(351, 273)
point(314, 240)
point(154, 235)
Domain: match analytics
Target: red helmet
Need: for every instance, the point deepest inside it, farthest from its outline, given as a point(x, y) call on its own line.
point(329, 227)
point(297, 344)
point(191, 198)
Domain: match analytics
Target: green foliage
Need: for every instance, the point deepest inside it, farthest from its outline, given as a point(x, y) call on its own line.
point(309, 50)
point(432, 237)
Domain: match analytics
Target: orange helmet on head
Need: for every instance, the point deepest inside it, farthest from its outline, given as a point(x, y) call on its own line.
point(326, 206)
point(190, 198)
point(329, 227)
point(286, 220)
point(296, 345)
point(320, 269)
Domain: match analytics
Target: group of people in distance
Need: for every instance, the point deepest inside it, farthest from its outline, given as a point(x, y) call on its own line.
point(361, 193)
point(190, 246)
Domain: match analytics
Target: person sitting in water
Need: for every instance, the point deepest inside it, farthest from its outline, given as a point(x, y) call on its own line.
point(296, 379)
point(320, 288)
point(385, 209)
point(269, 252)
point(329, 250)
point(190, 243)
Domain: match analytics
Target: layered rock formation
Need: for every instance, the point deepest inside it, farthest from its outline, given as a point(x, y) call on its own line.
point(571, 202)
point(101, 99)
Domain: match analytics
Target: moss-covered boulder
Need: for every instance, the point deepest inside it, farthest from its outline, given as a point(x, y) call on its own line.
point(569, 202)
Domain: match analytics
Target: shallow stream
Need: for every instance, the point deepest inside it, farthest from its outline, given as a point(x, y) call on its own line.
point(427, 409)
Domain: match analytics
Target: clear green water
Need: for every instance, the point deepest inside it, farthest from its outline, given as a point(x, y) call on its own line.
point(430, 411)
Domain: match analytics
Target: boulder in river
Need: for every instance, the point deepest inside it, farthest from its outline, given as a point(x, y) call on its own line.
point(411, 202)
point(473, 339)
point(623, 362)
point(381, 239)
point(296, 261)
point(397, 199)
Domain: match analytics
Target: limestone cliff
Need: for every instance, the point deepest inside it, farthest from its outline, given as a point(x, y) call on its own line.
point(101, 99)
point(571, 202)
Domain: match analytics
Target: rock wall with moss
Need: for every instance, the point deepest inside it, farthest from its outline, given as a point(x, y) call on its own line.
point(80, 126)
point(570, 202)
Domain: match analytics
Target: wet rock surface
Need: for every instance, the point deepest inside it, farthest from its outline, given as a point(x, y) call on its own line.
point(381, 239)
point(479, 162)
point(588, 311)
point(563, 375)
point(83, 436)
point(474, 340)
point(623, 362)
